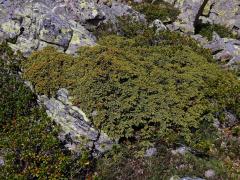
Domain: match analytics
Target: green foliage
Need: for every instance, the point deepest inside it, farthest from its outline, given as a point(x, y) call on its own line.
point(207, 30)
point(145, 36)
point(123, 165)
point(32, 150)
point(29, 143)
point(15, 97)
point(141, 93)
point(157, 10)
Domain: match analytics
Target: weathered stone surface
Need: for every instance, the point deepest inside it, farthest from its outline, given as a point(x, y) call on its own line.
point(181, 150)
point(224, 12)
point(158, 25)
point(2, 161)
point(209, 173)
point(184, 178)
point(230, 119)
point(64, 24)
point(224, 49)
point(189, 10)
point(150, 152)
point(77, 130)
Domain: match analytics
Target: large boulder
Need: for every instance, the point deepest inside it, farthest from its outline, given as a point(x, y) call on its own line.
point(189, 11)
point(30, 25)
point(77, 130)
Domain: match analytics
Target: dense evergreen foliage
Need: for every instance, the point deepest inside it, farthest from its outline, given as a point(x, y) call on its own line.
point(140, 92)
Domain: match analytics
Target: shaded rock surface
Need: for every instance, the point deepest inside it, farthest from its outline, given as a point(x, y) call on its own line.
point(76, 128)
point(33, 24)
point(224, 12)
point(224, 49)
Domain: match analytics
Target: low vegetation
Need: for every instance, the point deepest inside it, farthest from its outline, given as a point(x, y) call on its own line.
point(157, 9)
point(207, 30)
point(29, 143)
point(141, 93)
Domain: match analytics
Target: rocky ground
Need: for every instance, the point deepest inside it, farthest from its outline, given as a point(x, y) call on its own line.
point(32, 25)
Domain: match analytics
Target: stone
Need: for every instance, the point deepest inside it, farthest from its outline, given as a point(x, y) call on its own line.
point(181, 150)
point(184, 178)
point(150, 152)
point(77, 130)
point(2, 163)
point(54, 30)
point(202, 40)
point(216, 123)
point(224, 12)
point(63, 95)
point(216, 45)
point(189, 178)
point(189, 11)
point(209, 173)
point(234, 60)
point(223, 56)
point(64, 24)
point(158, 25)
point(230, 119)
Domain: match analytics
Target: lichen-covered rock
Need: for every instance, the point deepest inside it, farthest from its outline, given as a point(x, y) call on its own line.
point(64, 24)
point(54, 30)
point(224, 12)
point(189, 10)
point(158, 25)
point(77, 130)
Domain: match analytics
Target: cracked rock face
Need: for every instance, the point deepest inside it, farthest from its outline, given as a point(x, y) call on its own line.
point(224, 12)
point(77, 130)
point(34, 24)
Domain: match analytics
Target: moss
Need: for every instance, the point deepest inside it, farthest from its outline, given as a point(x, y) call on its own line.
point(141, 92)
point(207, 30)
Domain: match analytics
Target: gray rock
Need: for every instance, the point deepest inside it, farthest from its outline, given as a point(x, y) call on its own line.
point(181, 150)
point(234, 60)
point(230, 119)
point(209, 173)
point(223, 56)
point(216, 124)
point(189, 178)
point(202, 40)
point(224, 12)
point(150, 152)
point(158, 25)
point(217, 44)
point(184, 178)
point(77, 129)
point(189, 10)
point(2, 163)
point(54, 30)
point(63, 95)
point(64, 24)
